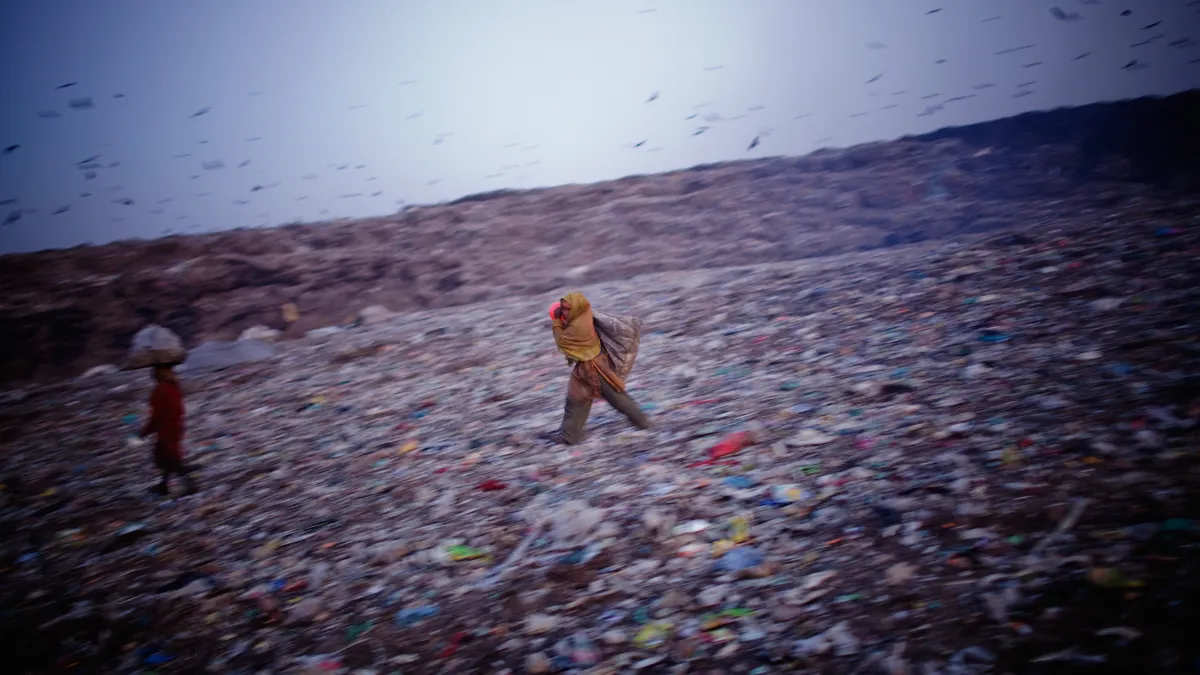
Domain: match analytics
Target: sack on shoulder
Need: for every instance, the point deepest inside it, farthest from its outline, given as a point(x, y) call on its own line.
point(620, 337)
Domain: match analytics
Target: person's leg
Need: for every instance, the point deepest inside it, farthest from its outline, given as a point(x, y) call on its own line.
point(189, 479)
point(624, 404)
point(160, 459)
point(163, 486)
point(575, 417)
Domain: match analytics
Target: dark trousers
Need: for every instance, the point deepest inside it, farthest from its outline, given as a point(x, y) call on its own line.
point(576, 414)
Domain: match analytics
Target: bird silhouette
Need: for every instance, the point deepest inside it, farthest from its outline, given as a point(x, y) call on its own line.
point(1059, 14)
point(64, 86)
point(1151, 25)
point(875, 79)
point(653, 97)
point(11, 149)
point(200, 112)
point(639, 144)
point(753, 144)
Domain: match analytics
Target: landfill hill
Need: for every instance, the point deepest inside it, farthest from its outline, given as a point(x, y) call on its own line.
point(63, 311)
point(950, 458)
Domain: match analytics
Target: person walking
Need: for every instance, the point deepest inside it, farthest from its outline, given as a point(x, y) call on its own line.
point(166, 421)
point(592, 375)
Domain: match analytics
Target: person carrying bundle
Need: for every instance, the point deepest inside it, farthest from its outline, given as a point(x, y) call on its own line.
point(160, 350)
point(598, 370)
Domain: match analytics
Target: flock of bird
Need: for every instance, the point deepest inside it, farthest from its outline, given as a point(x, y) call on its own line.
point(91, 167)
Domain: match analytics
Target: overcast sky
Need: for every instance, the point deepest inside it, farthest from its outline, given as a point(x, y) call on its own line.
point(435, 99)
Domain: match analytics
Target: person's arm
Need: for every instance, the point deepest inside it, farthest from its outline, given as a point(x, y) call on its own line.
point(151, 425)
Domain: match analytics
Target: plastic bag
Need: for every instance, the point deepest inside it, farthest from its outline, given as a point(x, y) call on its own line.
point(620, 337)
point(154, 345)
point(218, 355)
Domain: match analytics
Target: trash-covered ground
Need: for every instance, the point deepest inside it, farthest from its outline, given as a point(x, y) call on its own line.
point(962, 458)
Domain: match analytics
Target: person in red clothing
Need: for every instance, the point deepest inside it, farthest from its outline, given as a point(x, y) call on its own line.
point(166, 420)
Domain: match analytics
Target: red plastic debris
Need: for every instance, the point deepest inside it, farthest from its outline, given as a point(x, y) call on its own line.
point(731, 444)
point(453, 646)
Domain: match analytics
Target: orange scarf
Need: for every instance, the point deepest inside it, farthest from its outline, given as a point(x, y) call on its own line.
point(576, 336)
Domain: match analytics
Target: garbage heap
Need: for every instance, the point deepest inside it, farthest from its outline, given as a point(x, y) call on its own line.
point(956, 458)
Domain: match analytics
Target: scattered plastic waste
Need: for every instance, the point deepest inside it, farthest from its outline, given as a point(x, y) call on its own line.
point(739, 559)
point(983, 463)
point(653, 635)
